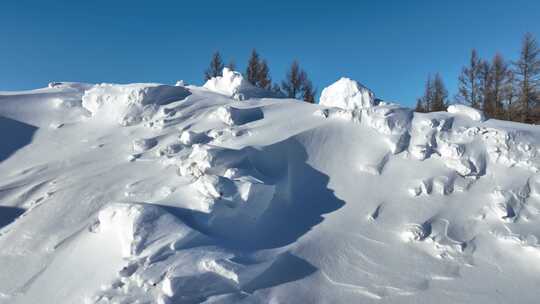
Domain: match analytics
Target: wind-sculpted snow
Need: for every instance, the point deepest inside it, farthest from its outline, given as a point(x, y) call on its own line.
point(347, 94)
point(202, 196)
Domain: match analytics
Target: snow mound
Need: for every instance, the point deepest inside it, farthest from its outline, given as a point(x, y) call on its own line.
point(347, 94)
point(130, 104)
point(233, 84)
point(463, 110)
point(212, 200)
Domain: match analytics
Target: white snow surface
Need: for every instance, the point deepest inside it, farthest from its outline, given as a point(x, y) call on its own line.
point(233, 84)
point(150, 193)
point(464, 110)
point(347, 94)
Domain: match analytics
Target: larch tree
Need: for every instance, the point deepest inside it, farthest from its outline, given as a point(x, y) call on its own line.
point(308, 92)
point(252, 70)
point(439, 95)
point(292, 85)
point(501, 87)
point(424, 103)
point(263, 77)
point(527, 73)
point(469, 82)
point(216, 67)
point(258, 72)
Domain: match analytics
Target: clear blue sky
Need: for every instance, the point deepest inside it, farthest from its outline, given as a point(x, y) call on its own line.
point(390, 46)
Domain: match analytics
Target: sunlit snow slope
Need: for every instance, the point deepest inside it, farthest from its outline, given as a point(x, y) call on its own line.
point(149, 193)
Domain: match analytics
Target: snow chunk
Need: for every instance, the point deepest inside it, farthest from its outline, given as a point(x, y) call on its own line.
point(132, 103)
point(464, 110)
point(137, 226)
point(347, 94)
point(233, 84)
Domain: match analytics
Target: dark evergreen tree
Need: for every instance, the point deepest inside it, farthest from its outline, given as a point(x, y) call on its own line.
point(216, 67)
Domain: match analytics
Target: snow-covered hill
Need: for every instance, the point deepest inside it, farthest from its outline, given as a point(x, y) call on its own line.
point(149, 193)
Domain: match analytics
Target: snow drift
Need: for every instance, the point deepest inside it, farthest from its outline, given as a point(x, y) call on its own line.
point(202, 195)
point(347, 94)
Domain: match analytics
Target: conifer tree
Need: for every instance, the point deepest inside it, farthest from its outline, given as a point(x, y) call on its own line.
point(258, 72)
point(527, 72)
point(469, 83)
point(294, 80)
point(501, 87)
point(263, 77)
point(308, 92)
point(439, 95)
point(252, 70)
point(216, 67)
point(424, 103)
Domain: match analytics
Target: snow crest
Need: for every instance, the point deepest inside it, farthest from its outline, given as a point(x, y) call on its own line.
point(132, 103)
point(233, 84)
point(347, 94)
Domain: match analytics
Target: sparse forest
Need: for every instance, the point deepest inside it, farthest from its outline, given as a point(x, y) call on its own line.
point(295, 85)
point(501, 89)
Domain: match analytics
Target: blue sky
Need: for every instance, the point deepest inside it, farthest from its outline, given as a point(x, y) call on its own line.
point(389, 46)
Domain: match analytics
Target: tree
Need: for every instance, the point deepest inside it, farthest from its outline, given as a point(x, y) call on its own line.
point(258, 72)
point(216, 67)
point(263, 78)
point(439, 95)
point(252, 70)
point(527, 73)
point(501, 91)
point(308, 92)
point(486, 89)
point(423, 104)
point(292, 85)
point(420, 107)
point(469, 83)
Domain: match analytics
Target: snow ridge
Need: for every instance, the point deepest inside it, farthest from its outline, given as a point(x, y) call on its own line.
point(220, 194)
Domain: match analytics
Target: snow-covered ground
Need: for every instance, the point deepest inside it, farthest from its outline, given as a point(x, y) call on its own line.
point(149, 193)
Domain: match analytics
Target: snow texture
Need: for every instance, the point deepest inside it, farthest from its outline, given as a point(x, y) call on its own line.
point(347, 94)
point(149, 193)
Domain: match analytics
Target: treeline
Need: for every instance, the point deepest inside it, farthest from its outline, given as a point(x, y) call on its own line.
point(499, 88)
point(295, 85)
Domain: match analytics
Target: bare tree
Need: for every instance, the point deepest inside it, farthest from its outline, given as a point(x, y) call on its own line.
point(527, 72)
point(501, 87)
point(469, 82)
point(294, 80)
point(216, 67)
point(252, 70)
point(439, 100)
point(308, 92)
point(423, 104)
point(263, 78)
point(258, 72)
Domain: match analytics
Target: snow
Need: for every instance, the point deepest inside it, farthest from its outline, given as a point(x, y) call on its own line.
point(233, 84)
point(149, 193)
point(466, 111)
point(347, 94)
